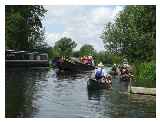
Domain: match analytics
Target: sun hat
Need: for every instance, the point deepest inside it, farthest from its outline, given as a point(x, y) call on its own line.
point(100, 64)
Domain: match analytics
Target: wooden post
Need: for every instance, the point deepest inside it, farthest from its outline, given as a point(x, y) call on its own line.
point(130, 84)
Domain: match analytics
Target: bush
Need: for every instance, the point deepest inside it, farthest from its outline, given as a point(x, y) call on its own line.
point(116, 59)
point(145, 74)
point(106, 58)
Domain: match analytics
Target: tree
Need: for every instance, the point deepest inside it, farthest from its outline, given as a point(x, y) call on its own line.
point(64, 47)
point(87, 50)
point(133, 34)
point(76, 54)
point(24, 30)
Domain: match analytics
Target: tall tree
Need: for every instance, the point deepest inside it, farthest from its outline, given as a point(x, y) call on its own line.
point(87, 50)
point(64, 47)
point(24, 27)
point(133, 34)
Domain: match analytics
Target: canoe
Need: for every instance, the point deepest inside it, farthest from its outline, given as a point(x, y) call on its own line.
point(124, 78)
point(73, 65)
point(97, 84)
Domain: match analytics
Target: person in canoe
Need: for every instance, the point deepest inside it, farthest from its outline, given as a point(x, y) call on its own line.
point(100, 71)
point(114, 70)
point(101, 74)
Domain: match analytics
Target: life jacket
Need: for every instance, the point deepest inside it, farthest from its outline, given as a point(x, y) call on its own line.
point(98, 74)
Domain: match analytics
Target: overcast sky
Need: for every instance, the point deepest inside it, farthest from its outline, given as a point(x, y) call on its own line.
point(83, 24)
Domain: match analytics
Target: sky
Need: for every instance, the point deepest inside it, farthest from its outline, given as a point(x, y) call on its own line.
point(83, 24)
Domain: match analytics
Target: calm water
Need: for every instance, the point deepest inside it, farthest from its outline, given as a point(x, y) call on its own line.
point(44, 93)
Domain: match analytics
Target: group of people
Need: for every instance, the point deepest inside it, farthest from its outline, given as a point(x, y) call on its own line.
point(123, 70)
point(87, 60)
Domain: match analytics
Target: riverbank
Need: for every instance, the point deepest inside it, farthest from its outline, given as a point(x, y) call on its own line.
point(142, 90)
point(145, 74)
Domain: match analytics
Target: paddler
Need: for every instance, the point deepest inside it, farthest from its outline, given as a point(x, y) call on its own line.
point(100, 71)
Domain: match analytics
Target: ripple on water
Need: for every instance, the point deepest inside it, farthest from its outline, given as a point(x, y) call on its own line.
point(44, 93)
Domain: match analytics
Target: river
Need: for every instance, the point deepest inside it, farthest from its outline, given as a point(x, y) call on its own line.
point(41, 92)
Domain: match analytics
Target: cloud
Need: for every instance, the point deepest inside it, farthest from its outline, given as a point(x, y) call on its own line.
point(117, 11)
point(84, 24)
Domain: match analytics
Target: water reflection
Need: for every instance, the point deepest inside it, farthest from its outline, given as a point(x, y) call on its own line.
point(94, 95)
point(49, 93)
point(21, 87)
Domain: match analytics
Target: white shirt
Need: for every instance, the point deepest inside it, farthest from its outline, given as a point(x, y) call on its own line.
point(104, 73)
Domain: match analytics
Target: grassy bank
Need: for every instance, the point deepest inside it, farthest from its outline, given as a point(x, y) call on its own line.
point(145, 74)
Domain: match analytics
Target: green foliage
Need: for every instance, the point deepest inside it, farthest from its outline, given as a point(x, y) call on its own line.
point(23, 27)
point(133, 34)
point(107, 58)
point(76, 54)
point(87, 50)
point(116, 59)
point(100, 57)
point(50, 53)
point(145, 74)
point(64, 47)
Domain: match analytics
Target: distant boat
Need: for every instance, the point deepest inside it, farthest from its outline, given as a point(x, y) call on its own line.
point(72, 64)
